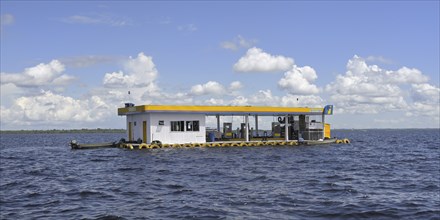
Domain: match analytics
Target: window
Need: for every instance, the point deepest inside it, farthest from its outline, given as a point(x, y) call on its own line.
point(177, 126)
point(192, 126)
point(161, 122)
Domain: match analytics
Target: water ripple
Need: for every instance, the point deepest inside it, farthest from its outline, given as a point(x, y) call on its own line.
point(383, 174)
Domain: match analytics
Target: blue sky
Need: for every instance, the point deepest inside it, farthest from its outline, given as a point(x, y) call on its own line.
point(70, 64)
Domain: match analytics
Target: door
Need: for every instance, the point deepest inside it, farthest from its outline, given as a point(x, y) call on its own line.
point(130, 132)
point(144, 132)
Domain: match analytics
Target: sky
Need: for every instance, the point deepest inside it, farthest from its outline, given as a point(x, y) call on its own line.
point(70, 65)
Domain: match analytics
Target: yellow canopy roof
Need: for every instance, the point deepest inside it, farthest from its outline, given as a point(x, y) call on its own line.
point(221, 110)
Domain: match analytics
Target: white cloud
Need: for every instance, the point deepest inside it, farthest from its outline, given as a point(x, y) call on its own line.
point(98, 19)
point(40, 75)
point(425, 109)
point(209, 88)
point(256, 60)
point(425, 93)
point(362, 88)
point(364, 85)
point(213, 101)
point(302, 100)
point(299, 81)
point(50, 108)
point(426, 100)
point(266, 98)
point(118, 79)
point(9, 92)
point(213, 88)
point(239, 101)
point(236, 85)
point(154, 95)
point(140, 72)
point(237, 43)
point(370, 89)
point(406, 75)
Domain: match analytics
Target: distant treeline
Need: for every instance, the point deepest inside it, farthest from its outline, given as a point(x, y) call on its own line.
point(58, 131)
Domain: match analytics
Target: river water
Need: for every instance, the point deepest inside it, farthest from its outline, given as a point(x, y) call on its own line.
point(381, 174)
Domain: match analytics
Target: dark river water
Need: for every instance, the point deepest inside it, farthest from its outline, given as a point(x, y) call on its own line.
point(382, 174)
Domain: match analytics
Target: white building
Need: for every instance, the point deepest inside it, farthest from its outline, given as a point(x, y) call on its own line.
point(187, 124)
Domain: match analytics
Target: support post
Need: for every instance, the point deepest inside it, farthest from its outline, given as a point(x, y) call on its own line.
point(323, 126)
point(302, 126)
point(218, 122)
point(256, 125)
point(286, 128)
point(246, 119)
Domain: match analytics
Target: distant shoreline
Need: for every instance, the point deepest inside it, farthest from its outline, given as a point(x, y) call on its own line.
point(62, 131)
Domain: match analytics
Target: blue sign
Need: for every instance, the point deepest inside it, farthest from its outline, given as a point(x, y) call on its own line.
point(328, 110)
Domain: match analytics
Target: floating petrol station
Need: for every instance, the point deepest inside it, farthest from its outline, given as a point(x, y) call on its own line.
point(181, 124)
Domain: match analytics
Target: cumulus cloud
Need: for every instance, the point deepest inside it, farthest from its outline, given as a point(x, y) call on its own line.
point(239, 101)
point(53, 108)
point(237, 43)
point(40, 75)
point(363, 88)
point(213, 101)
point(50, 108)
point(264, 98)
point(214, 88)
point(406, 75)
point(139, 71)
point(425, 93)
point(299, 80)
point(256, 60)
point(118, 79)
point(209, 88)
point(426, 99)
point(370, 89)
point(9, 92)
point(267, 98)
point(152, 94)
point(236, 85)
point(362, 81)
point(302, 100)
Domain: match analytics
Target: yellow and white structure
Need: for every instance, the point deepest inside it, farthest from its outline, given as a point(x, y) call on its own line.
point(179, 124)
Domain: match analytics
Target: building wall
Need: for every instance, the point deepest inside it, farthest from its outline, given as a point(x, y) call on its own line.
point(163, 132)
point(136, 126)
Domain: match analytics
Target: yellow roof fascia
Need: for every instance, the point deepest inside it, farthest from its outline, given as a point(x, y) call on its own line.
point(217, 109)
